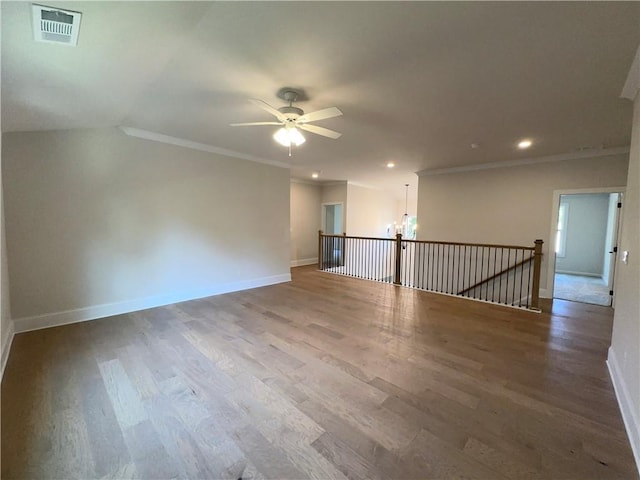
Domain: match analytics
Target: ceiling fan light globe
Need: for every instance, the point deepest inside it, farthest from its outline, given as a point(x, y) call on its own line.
point(296, 137)
point(289, 136)
point(281, 137)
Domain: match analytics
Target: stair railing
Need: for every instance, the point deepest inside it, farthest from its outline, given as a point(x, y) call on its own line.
point(503, 274)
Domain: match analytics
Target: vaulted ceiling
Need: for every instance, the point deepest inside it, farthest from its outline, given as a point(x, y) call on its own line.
point(418, 83)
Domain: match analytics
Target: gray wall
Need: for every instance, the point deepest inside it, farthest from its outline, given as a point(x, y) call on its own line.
point(370, 211)
point(366, 212)
point(98, 222)
point(509, 205)
point(624, 354)
point(6, 324)
point(306, 199)
point(586, 234)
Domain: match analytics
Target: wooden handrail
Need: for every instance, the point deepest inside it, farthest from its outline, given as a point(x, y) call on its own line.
point(492, 277)
point(459, 244)
point(359, 238)
point(434, 242)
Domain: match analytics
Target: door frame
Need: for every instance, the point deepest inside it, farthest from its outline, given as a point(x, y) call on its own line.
point(616, 240)
point(555, 207)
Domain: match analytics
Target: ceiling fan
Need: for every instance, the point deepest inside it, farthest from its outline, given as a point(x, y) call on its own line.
point(293, 119)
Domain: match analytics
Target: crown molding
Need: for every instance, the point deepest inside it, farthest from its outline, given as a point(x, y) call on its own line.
point(609, 152)
point(365, 185)
point(203, 147)
point(333, 183)
point(304, 181)
point(319, 183)
point(632, 85)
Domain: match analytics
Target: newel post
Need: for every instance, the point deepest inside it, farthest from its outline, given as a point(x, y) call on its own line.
point(343, 249)
point(320, 252)
point(537, 262)
point(396, 276)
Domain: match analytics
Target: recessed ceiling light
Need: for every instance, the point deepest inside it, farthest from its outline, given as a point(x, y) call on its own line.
point(315, 175)
point(524, 144)
point(390, 164)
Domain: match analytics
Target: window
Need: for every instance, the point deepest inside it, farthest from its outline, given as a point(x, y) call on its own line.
point(412, 227)
point(561, 231)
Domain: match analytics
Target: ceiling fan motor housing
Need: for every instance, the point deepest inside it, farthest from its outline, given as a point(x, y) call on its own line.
point(291, 113)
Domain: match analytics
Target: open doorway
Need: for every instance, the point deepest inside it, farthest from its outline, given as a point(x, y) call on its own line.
point(332, 224)
point(332, 218)
point(585, 246)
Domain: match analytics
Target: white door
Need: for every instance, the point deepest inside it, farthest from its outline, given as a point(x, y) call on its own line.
point(611, 250)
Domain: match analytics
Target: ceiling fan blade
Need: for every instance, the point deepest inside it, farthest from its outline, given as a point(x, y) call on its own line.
point(267, 108)
point(325, 132)
point(251, 124)
point(320, 115)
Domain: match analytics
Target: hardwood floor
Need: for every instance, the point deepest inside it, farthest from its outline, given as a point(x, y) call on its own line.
point(325, 377)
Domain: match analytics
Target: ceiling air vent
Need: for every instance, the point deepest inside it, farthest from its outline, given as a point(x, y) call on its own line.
point(53, 25)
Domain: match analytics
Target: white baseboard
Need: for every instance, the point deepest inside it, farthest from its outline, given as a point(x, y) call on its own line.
point(37, 322)
point(581, 274)
point(6, 347)
point(631, 422)
point(545, 293)
point(304, 261)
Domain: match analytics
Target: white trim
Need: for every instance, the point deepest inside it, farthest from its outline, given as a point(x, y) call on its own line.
point(7, 341)
point(632, 85)
point(563, 232)
point(333, 183)
point(365, 185)
point(631, 423)
point(545, 293)
point(304, 261)
point(203, 147)
point(37, 322)
point(527, 161)
point(555, 205)
point(304, 181)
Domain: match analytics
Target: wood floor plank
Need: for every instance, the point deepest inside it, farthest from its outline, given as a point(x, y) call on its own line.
point(269, 459)
point(265, 405)
point(381, 461)
point(70, 455)
point(440, 461)
point(124, 397)
point(348, 461)
point(147, 452)
point(222, 455)
point(178, 442)
point(501, 462)
point(110, 453)
point(322, 377)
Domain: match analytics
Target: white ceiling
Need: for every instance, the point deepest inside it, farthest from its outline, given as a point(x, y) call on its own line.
point(417, 82)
